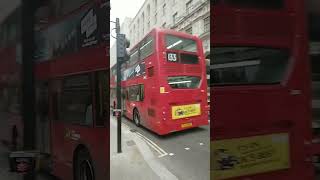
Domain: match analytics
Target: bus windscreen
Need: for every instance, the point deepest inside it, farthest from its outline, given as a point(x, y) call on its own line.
point(248, 65)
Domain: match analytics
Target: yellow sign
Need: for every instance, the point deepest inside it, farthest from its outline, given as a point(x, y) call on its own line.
point(186, 125)
point(184, 111)
point(247, 156)
point(162, 90)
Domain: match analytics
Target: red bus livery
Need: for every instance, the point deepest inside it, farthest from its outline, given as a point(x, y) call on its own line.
point(164, 82)
point(261, 91)
point(71, 70)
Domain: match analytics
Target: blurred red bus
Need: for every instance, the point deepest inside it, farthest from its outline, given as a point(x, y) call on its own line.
point(261, 91)
point(71, 61)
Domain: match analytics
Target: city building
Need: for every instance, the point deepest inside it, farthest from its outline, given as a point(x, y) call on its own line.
point(191, 16)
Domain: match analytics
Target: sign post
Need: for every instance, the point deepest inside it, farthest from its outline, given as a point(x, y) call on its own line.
point(28, 92)
point(122, 44)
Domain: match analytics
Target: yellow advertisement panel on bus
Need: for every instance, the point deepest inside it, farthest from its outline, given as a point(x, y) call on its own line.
point(251, 155)
point(184, 111)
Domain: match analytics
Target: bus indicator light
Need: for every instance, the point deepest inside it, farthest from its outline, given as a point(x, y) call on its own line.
point(163, 90)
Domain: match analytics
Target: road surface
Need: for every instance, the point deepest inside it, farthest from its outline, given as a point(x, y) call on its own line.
point(186, 154)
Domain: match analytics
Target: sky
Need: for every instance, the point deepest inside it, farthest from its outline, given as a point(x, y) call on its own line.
point(122, 9)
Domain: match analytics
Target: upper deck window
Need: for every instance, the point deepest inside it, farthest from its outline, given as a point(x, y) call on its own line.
point(269, 4)
point(143, 50)
point(247, 65)
point(179, 43)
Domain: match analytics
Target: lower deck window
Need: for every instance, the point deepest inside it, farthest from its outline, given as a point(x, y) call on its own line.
point(248, 65)
point(184, 82)
point(76, 100)
point(136, 92)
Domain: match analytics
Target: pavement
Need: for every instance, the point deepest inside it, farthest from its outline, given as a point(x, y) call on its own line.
point(182, 155)
point(186, 153)
point(137, 161)
point(4, 154)
point(4, 168)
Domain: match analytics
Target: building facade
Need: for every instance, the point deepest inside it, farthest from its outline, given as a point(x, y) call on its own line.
point(191, 16)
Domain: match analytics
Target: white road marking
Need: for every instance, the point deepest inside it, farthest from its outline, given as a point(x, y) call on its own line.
point(161, 152)
point(157, 167)
point(152, 144)
point(153, 162)
point(201, 144)
point(171, 154)
point(187, 148)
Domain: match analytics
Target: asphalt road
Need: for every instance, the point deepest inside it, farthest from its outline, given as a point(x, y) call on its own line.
point(186, 154)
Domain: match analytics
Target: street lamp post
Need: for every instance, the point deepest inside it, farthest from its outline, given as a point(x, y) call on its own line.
point(122, 43)
point(27, 76)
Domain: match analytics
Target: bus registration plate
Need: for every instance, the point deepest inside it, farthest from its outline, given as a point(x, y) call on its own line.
point(185, 111)
point(186, 125)
point(250, 155)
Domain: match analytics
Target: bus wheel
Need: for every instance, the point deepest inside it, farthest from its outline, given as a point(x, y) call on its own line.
point(84, 169)
point(136, 117)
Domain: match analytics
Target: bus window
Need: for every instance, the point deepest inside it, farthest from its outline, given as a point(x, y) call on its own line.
point(76, 100)
point(134, 57)
point(248, 65)
point(142, 92)
point(270, 4)
point(189, 58)
point(184, 82)
point(102, 99)
point(136, 93)
point(178, 43)
point(146, 48)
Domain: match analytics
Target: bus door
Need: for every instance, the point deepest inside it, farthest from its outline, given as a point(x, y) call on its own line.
point(315, 63)
point(43, 123)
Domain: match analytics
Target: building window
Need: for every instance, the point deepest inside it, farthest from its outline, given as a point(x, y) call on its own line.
point(189, 30)
point(164, 9)
point(174, 17)
point(188, 6)
point(155, 4)
point(207, 24)
point(164, 25)
point(148, 10)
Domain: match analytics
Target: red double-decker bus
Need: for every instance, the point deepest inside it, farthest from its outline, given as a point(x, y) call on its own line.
point(78, 90)
point(71, 72)
point(261, 94)
point(10, 82)
point(164, 83)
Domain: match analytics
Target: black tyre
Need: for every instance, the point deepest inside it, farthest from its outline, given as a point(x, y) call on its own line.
point(136, 117)
point(84, 169)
